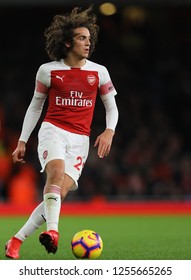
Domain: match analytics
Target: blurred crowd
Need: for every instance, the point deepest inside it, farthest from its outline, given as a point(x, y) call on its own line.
point(148, 56)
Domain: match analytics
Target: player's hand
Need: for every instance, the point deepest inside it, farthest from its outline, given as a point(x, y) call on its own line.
point(19, 153)
point(104, 142)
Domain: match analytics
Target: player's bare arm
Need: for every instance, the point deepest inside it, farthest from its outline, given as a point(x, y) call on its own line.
point(104, 142)
point(19, 152)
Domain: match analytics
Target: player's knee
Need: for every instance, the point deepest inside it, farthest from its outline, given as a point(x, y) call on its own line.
point(55, 175)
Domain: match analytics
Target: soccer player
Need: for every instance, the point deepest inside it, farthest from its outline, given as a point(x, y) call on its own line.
point(71, 83)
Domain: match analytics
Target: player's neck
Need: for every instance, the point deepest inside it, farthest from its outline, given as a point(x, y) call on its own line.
point(75, 63)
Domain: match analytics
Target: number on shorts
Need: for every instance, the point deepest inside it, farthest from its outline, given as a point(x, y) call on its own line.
point(79, 164)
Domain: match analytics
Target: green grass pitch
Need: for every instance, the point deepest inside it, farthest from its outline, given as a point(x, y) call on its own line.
point(124, 237)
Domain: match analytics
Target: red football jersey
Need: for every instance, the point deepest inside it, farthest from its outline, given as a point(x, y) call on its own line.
point(72, 93)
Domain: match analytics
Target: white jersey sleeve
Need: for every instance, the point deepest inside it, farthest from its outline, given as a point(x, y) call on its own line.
point(106, 86)
point(43, 76)
point(35, 108)
point(107, 94)
point(112, 113)
point(32, 116)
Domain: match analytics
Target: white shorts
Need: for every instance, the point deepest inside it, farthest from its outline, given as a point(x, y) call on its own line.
point(56, 143)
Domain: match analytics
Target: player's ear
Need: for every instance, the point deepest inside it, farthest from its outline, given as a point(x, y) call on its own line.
point(68, 44)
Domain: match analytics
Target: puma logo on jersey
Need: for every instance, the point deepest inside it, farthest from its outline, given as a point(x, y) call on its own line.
point(60, 78)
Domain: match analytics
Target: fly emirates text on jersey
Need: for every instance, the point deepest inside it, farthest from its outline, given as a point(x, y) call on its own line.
point(75, 99)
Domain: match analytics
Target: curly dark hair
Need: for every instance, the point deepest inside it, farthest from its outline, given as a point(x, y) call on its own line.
point(61, 30)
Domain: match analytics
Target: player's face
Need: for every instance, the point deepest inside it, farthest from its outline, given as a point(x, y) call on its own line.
point(81, 43)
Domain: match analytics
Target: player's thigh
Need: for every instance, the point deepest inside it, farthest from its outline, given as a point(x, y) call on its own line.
point(50, 145)
point(76, 156)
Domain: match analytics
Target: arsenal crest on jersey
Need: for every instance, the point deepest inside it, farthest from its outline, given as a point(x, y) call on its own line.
point(91, 79)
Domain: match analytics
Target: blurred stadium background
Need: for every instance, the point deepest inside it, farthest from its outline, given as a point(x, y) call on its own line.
point(146, 47)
